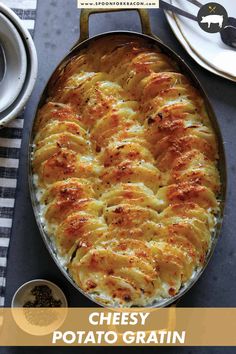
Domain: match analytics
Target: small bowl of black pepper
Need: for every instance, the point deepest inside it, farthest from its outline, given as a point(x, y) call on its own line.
point(39, 306)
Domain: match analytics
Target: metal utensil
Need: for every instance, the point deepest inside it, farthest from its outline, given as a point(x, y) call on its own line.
point(195, 2)
point(2, 63)
point(165, 6)
point(228, 33)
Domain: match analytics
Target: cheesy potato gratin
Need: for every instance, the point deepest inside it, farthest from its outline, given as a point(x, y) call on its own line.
point(125, 162)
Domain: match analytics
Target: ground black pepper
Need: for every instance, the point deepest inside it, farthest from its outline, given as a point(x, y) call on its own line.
point(43, 298)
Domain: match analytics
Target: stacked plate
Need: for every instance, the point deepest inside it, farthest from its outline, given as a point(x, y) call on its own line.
point(18, 65)
point(207, 49)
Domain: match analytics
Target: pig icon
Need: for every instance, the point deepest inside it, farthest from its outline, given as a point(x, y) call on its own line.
point(209, 19)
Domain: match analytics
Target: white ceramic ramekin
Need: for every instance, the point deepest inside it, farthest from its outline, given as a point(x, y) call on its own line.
point(16, 63)
point(32, 68)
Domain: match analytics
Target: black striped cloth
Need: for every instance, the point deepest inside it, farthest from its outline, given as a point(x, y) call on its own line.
point(10, 143)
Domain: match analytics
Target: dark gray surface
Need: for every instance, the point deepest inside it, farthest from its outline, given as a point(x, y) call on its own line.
point(56, 31)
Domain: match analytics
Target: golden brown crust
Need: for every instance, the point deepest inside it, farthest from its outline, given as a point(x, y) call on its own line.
point(127, 159)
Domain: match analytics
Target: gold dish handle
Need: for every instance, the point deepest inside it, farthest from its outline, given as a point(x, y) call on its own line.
point(84, 21)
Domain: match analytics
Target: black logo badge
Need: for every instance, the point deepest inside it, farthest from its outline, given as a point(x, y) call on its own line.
point(212, 17)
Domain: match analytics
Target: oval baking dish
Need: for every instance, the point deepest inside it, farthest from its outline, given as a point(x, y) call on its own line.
point(149, 223)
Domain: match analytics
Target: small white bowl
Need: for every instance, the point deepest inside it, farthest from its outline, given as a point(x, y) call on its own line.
point(16, 63)
point(23, 293)
point(35, 320)
point(32, 68)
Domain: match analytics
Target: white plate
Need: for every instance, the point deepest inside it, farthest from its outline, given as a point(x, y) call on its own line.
point(16, 63)
point(206, 49)
point(32, 68)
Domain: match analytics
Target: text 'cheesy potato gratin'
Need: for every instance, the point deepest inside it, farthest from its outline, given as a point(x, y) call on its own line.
point(125, 164)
